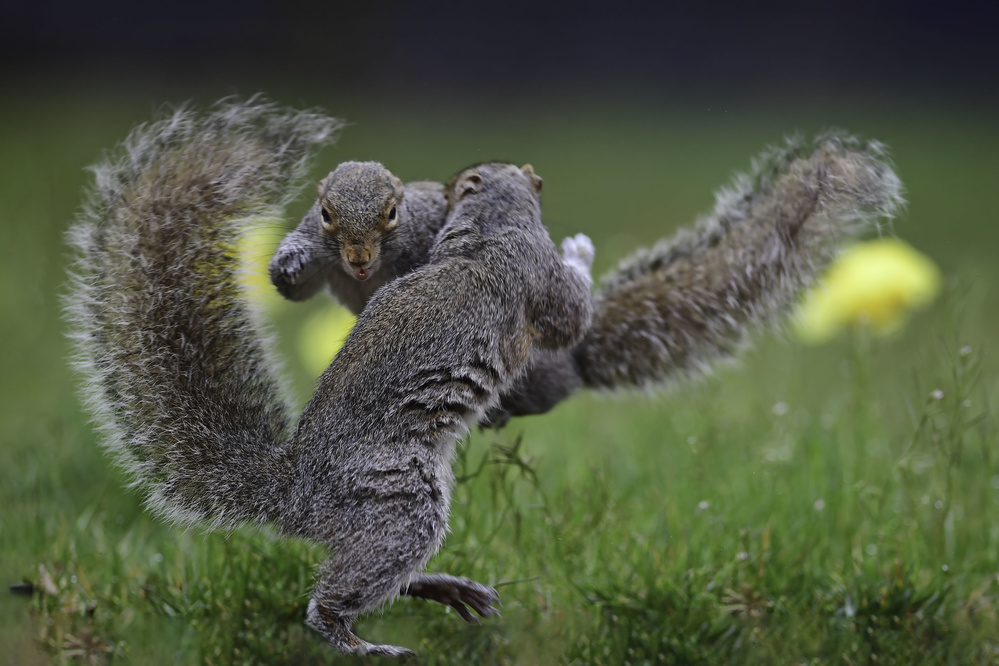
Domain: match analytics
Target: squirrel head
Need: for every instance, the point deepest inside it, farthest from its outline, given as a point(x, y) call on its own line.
point(470, 180)
point(358, 207)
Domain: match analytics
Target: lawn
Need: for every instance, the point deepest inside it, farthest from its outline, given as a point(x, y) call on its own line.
point(833, 504)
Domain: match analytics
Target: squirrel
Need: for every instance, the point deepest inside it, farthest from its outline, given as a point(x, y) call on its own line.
point(667, 312)
point(364, 229)
point(180, 378)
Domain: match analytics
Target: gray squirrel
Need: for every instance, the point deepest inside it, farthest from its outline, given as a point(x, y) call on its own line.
point(351, 240)
point(180, 379)
point(666, 312)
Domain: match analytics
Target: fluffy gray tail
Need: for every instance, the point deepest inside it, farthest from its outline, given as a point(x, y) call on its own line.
point(177, 371)
point(671, 310)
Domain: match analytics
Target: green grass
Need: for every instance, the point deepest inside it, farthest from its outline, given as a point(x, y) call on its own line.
point(805, 505)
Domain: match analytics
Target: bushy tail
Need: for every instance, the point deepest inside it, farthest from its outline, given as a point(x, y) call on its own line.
point(668, 311)
point(177, 370)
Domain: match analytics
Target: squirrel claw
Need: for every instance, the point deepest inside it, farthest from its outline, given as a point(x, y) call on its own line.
point(460, 594)
point(286, 268)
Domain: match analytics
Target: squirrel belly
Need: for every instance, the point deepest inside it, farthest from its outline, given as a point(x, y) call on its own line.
point(668, 312)
point(179, 377)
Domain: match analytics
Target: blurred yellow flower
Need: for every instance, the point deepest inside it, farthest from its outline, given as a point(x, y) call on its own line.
point(322, 336)
point(256, 247)
point(874, 284)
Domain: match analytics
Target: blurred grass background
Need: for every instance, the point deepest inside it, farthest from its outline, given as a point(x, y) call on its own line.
point(806, 504)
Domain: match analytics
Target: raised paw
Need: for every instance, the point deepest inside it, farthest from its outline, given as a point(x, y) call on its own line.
point(295, 271)
point(287, 265)
point(458, 593)
point(578, 252)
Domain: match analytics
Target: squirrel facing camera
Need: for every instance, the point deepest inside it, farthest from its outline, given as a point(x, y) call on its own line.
point(364, 229)
point(183, 385)
point(351, 220)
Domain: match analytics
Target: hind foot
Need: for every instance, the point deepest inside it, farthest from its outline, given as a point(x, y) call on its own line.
point(458, 593)
point(336, 629)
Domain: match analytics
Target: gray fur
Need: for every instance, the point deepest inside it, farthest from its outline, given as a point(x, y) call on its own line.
point(180, 379)
point(427, 357)
point(168, 347)
point(670, 311)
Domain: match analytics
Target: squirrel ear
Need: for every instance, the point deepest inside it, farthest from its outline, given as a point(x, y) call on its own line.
point(469, 184)
point(535, 179)
point(321, 190)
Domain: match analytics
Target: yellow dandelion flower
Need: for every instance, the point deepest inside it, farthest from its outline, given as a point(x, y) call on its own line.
point(871, 284)
point(322, 336)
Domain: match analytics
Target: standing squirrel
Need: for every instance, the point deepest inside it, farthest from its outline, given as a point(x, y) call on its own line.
point(183, 386)
point(666, 312)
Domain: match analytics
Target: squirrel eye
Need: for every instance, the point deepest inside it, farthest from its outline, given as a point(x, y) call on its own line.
point(327, 220)
point(392, 220)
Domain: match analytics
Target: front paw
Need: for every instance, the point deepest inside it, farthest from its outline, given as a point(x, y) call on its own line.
point(577, 251)
point(287, 270)
point(287, 264)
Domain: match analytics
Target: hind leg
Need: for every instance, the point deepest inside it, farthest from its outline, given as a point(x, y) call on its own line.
point(379, 545)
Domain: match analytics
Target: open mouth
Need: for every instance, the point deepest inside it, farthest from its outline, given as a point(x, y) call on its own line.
point(361, 273)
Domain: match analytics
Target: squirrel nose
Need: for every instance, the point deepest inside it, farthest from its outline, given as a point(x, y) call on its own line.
point(358, 256)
